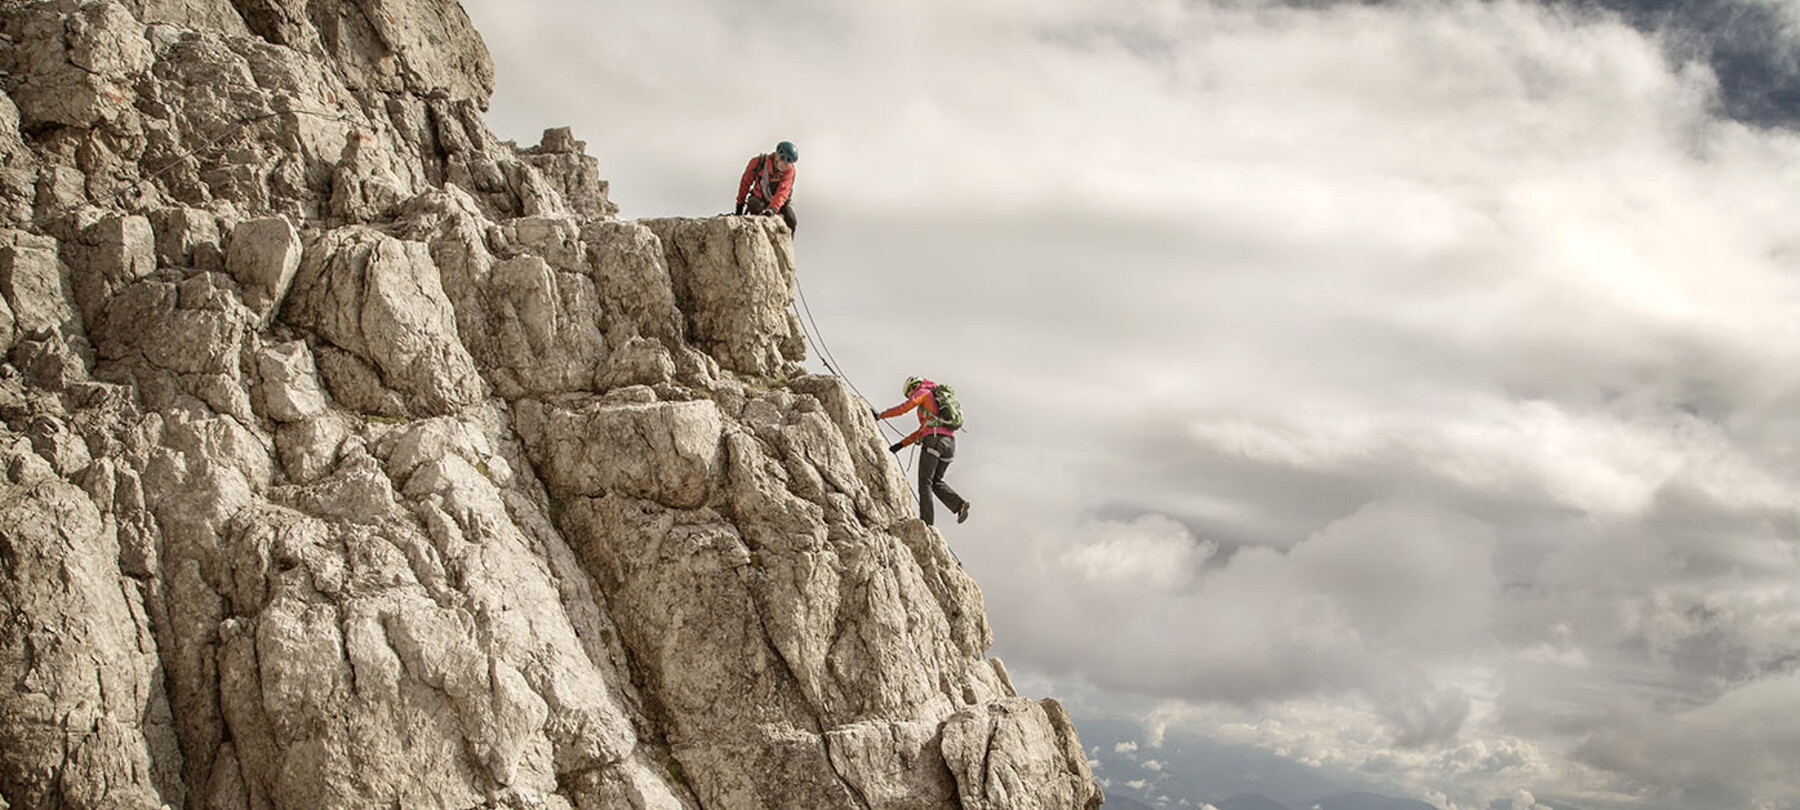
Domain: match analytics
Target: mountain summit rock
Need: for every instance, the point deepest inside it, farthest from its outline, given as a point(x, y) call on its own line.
point(350, 457)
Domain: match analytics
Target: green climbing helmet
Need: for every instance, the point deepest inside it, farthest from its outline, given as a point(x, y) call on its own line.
point(911, 383)
point(788, 151)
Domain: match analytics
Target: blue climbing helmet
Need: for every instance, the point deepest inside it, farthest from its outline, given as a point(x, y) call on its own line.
point(788, 151)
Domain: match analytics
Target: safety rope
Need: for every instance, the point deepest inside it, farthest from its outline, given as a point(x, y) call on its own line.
point(815, 337)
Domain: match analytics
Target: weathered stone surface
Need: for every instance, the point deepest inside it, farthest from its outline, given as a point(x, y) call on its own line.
point(18, 166)
point(534, 321)
point(356, 492)
point(888, 489)
point(12, 143)
point(279, 110)
point(282, 22)
point(111, 254)
point(83, 720)
point(8, 327)
point(53, 361)
point(365, 187)
point(634, 286)
point(83, 63)
point(666, 452)
point(188, 237)
point(641, 361)
point(216, 14)
point(1019, 755)
point(893, 766)
point(197, 326)
point(734, 279)
point(60, 188)
point(815, 618)
point(36, 284)
point(379, 298)
point(309, 448)
point(263, 256)
point(67, 453)
point(355, 385)
point(565, 166)
point(738, 726)
point(528, 289)
point(351, 457)
point(420, 47)
point(290, 382)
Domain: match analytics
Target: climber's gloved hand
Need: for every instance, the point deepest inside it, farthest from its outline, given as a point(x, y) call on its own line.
point(895, 447)
point(875, 413)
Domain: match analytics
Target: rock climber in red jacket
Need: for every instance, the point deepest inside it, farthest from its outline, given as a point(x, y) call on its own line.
point(768, 184)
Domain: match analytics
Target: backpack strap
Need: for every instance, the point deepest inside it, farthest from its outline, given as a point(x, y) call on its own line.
point(763, 187)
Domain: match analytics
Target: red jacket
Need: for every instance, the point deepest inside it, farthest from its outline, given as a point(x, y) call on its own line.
point(925, 400)
point(770, 185)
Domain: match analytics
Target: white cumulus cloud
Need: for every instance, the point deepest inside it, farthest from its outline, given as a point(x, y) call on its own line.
point(1402, 386)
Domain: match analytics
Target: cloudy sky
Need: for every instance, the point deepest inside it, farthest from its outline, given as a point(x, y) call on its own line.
point(1409, 389)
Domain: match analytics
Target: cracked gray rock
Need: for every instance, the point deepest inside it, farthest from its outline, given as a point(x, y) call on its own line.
point(350, 456)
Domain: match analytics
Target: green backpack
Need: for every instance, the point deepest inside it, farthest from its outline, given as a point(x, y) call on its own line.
point(949, 411)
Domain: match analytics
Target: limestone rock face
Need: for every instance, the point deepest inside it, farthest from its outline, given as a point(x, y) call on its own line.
point(1016, 754)
point(72, 655)
point(733, 276)
point(83, 61)
point(380, 299)
point(351, 457)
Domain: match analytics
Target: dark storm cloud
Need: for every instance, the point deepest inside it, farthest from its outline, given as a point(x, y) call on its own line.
point(1751, 46)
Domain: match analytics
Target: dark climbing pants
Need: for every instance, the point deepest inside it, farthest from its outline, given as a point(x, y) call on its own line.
point(935, 453)
point(757, 205)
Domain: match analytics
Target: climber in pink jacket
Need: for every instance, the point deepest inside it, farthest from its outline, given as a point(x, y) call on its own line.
point(939, 418)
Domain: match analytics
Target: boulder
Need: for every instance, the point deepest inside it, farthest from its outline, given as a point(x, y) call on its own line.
point(197, 326)
point(263, 255)
point(290, 383)
point(36, 284)
point(188, 237)
point(111, 254)
point(1019, 755)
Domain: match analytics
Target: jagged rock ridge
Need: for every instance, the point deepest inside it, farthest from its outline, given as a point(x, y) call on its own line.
point(351, 457)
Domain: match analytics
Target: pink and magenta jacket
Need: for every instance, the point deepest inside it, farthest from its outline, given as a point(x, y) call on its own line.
point(925, 401)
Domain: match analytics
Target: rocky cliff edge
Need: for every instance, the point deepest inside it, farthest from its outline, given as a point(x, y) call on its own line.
point(354, 458)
